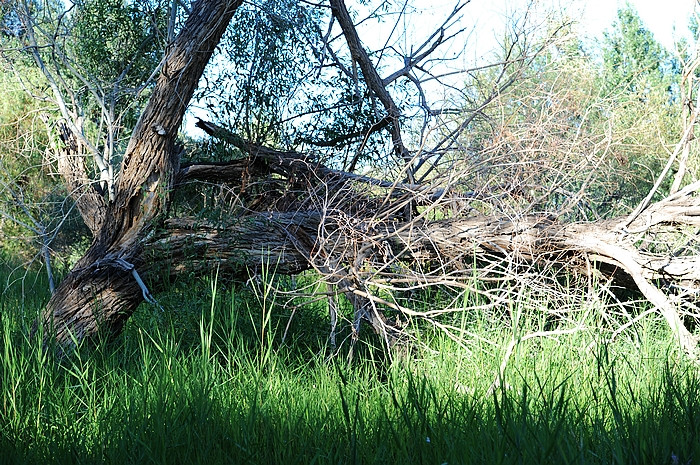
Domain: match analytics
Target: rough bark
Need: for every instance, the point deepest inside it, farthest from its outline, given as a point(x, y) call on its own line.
point(101, 291)
point(353, 256)
point(355, 242)
point(71, 165)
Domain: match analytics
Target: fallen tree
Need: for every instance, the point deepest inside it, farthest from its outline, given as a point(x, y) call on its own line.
point(359, 240)
point(370, 238)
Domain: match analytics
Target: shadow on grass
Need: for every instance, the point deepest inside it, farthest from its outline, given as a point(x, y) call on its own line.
point(211, 382)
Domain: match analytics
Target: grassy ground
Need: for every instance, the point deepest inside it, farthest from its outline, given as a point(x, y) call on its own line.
point(211, 382)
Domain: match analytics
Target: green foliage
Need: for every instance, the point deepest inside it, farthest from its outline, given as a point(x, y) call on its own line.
point(116, 45)
point(271, 59)
point(633, 60)
point(118, 42)
point(573, 135)
point(106, 53)
point(31, 197)
point(282, 91)
point(639, 75)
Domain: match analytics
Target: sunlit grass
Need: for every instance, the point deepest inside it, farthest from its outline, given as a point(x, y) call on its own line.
point(210, 381)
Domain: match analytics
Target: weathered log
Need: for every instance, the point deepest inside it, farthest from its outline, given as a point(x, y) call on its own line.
point(667, 279)
point(353, 256)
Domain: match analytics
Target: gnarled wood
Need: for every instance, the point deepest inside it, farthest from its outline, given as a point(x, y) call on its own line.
point(356, 234)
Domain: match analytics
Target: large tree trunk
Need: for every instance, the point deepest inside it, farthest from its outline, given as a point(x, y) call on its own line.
point(359, 239)
point(101, 291)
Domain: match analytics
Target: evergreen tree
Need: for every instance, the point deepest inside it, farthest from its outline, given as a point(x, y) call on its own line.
point(633, 60)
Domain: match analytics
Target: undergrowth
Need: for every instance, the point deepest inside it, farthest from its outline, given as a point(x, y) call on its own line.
point(212, 380)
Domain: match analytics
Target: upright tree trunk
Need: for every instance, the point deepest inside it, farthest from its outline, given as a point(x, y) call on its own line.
point(103, 288)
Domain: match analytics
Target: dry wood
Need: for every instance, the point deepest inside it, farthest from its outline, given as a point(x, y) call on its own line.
point(358, 251)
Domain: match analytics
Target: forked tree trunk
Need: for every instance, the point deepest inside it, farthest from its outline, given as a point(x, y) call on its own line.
point(101, 290)
point(355, 237)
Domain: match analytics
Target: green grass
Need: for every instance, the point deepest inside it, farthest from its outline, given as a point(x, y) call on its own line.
point(210, 381)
